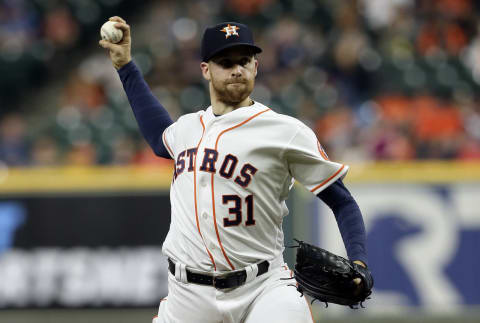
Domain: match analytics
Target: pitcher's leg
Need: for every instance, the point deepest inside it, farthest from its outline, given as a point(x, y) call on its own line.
point(157, 318)
point(280, 303)
point(188, 303)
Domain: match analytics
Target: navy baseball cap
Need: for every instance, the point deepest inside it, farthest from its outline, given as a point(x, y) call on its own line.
point(226, 35)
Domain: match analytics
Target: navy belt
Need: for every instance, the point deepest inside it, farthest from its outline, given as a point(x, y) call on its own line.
point(226, 280)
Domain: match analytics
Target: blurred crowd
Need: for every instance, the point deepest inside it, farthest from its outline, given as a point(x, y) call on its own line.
point(375, 79)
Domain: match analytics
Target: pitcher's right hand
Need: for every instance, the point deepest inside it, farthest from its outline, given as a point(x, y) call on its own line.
point(120, 53)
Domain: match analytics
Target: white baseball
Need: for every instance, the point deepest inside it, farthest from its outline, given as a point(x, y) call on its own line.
point(110, 33)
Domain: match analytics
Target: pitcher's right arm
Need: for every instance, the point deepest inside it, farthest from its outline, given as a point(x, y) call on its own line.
point(152, 117)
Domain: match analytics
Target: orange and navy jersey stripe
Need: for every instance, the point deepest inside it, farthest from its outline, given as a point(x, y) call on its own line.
point(322, 151)
point(167, 146)
point(213, 189)
point(195, 196)
point(328, 179)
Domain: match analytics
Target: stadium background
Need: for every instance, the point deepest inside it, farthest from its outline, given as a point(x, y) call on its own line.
point(390, 88)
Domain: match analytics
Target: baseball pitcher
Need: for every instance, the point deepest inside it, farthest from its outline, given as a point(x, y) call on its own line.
point(235, 162)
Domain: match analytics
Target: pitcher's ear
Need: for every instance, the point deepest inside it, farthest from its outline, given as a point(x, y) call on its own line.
point(204, 66)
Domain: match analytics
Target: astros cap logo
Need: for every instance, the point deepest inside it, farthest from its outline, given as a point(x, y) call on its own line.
point(213, 41)
point(230, 30)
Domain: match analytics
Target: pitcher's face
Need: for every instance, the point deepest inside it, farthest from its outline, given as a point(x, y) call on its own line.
point(232, 74)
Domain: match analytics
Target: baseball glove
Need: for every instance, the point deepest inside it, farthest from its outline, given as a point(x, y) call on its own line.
point(329, 278)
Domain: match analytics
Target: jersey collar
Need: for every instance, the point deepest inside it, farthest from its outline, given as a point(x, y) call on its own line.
point(236, 115)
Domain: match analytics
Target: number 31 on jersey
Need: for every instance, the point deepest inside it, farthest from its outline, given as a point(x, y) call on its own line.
point(236, 210)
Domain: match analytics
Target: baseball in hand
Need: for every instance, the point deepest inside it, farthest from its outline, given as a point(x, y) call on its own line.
point(110, 33)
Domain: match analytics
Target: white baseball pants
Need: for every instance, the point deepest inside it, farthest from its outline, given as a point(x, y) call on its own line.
point(266, 298)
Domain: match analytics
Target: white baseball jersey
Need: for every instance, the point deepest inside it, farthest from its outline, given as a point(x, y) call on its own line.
point(232, 176)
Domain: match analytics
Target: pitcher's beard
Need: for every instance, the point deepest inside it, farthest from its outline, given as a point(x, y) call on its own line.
point(231, 93)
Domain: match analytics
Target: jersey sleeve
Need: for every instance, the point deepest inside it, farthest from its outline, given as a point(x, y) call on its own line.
point(168, 138)
point(309, 164)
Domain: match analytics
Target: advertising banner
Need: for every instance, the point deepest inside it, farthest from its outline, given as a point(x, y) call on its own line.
point(423, 243)
point(83, 250)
